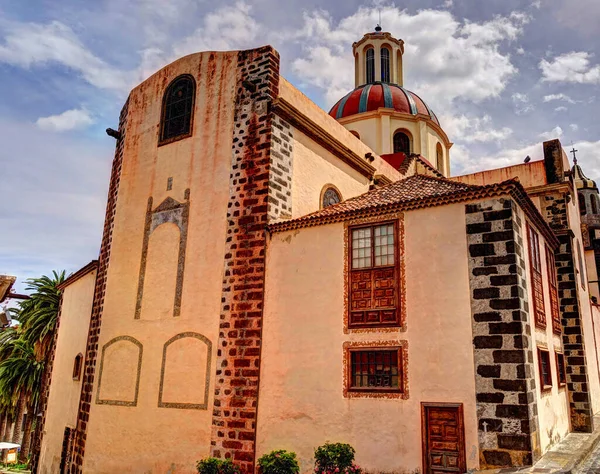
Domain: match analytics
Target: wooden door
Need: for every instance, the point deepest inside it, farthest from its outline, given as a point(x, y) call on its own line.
point(443, 438)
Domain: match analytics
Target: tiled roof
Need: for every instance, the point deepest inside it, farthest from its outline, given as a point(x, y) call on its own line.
point(416, 192)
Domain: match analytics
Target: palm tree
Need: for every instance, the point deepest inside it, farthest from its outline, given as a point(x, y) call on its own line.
point(24, 351)
point(20, 381)
point(39, 313)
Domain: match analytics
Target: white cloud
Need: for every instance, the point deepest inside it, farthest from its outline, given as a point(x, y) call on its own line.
point(574, 127)
point(551, 97)
point(435, 60)
point(520, 51)
point(570, 67)
point(562, 108)
point(30, 44)
point(536, 4)
point(522, 104)
point(68, 120)
point(448, 3)
point(474, 129)
point(556, 132)
point(228, 28)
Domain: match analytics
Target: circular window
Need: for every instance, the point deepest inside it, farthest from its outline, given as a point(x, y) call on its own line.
point(330, 197)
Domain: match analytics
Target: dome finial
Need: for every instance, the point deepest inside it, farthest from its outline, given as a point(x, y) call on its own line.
point(378, 28)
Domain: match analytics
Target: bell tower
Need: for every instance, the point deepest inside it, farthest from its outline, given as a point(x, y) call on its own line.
point(378, 58)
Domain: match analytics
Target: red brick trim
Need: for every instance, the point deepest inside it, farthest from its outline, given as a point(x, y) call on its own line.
point(91, 353)
point(238, 348)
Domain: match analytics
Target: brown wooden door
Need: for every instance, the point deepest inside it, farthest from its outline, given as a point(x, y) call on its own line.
point(443, 438)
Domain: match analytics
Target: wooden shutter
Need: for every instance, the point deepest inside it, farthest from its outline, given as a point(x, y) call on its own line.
point(373, 295)
point(535, 264)
point(553, 285)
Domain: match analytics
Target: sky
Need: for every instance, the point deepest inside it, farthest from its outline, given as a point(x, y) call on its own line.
point(501, 75)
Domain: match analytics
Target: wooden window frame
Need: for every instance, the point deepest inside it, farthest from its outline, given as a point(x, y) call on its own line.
point(537, 283)
point(161, 129)
point(553, 289)
point(397, 321)
point(557, 357)
point(542, 352)
point(401, 370)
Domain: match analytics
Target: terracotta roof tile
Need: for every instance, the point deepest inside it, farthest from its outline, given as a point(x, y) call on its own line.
point(416, 192)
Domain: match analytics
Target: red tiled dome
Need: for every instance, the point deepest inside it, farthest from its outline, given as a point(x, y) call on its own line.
point(373, 96)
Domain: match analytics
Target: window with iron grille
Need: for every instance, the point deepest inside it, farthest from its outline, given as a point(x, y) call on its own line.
point(560, 369)
point(553, 286)
point(535, 265)
point(370, 60)
point(330, 197)
point(374, 276)
point(385, 64)
point(376, 369)
point(177, 109)
point(545, 374)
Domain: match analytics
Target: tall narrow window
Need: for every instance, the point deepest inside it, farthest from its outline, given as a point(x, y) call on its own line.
point(582, 209)
point(401, 143)
point(385, 64)
point(581, 267)
point(373, 277)
point(560, 369)
point(594, 203)
point(535, 264)
point(553, 285)
point(376, 369)
point(77, 366)
point(177, 109)
point(370, 66)
point(439, 154)
point(545, 374)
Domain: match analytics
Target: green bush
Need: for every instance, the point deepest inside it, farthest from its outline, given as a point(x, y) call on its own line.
point(279, 462)
point(333, 458)
point(217, 466)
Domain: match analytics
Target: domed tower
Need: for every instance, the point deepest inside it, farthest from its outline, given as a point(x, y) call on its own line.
point(588, 197)
point(382, 113)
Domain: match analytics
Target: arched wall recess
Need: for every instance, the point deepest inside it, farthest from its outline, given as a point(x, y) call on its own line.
point(174, 212)
point(184, 377)
point(119, 373)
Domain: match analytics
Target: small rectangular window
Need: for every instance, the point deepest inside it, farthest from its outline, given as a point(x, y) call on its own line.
point(537, 289)
point(545, 374)
point(560, 369)
point(376, 369)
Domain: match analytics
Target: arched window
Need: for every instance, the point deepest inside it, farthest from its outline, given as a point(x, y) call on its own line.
point(370, 66)
point(330, 196)
point(385, 64)
point(178, 109)
point(439, 154)
point(401, 143)
point(594, 203)
point(355, 133)
point(582, 209)
point(77, 366)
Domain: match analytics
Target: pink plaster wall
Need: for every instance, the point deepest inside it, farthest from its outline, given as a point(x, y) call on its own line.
point(301, 402)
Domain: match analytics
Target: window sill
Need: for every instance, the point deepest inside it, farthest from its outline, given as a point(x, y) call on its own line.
point(374, 390)
point(546, 389)
point(174, 139)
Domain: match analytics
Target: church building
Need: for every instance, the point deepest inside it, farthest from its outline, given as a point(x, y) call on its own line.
point(273, 276)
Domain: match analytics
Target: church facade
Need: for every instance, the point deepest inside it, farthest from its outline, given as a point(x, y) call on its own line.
point(273, 276)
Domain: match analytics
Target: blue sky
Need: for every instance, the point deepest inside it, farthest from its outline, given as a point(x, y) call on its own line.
point(502, 76)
